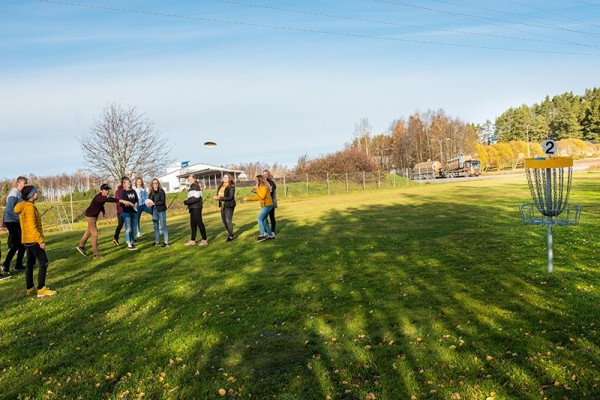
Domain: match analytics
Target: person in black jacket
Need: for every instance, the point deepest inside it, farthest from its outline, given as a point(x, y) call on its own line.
point(226, 197)
point(194, 205)
point(159, 212)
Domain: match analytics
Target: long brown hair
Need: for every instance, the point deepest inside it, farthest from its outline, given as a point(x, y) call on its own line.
point(152, 186)
point(231, 183)
point(261, 180)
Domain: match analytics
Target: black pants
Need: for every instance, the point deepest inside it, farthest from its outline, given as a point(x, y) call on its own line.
point(34, 251)
point(272, 219)
point(14, 230)
point(120, 223)
point(227, 218)
point(196, 222)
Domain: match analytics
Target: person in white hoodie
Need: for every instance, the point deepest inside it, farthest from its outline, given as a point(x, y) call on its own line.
point(194, 205)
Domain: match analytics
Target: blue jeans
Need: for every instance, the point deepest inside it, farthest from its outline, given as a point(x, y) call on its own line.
point(141, 209)
point(263, 225)
point(160, 218)
point(130, 220)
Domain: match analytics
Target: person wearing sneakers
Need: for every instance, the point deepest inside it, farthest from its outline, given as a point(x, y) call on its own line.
point(129, 213)
point(142, 193)
point(11, 221)
point(194, 205)
point(226, 197)
point(120, 221)
point(32, 237)
point(269, 178)
point(91, 215)
point(159, 212)
point(263, 195)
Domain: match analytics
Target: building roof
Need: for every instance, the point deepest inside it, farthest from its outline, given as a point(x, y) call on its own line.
point(202, 171)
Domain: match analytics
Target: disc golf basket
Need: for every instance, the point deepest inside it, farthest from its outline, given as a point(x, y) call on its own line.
point(549, 182)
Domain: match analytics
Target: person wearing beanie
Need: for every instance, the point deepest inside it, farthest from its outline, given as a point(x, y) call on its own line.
point(32, 237)
point(91, 215)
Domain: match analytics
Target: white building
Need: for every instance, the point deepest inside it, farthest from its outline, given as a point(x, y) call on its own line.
point(176, 178)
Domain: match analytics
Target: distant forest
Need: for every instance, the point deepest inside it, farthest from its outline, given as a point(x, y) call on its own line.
point(516, 134)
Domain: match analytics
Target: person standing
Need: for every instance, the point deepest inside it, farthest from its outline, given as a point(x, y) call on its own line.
point(194, 205)
point(11, 221)
point(32, 237)
point(142, 193)
point(226, 197)
point(263, 195)
point(91, 215)
point(120, 221)
point(159, 212)
point(129, 213)
point(269, 178)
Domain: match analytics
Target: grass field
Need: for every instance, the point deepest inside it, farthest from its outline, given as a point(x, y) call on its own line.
point(436, 291)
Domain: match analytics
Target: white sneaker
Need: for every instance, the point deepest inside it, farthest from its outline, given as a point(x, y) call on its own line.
point(139, 234)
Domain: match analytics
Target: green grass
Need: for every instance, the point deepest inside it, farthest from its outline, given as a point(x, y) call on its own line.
point(435, 291)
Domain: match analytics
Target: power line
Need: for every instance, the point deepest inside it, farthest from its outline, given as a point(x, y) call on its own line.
point(579, 21)
point(476, 17)
point(510, 13)
point(591, 3)
point(305, 30)
point(349, 18)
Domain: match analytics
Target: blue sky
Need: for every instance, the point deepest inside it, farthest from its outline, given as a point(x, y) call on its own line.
point(272, 80)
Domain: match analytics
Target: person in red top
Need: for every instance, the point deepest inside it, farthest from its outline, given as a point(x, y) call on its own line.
point(91, 215)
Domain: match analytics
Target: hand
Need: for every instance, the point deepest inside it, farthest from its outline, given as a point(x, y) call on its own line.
point(215, 197)
point(253, 190)
point(43, 246)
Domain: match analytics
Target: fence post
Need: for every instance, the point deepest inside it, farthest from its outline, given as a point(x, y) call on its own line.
point(72, 215)
point(284, 187)
point(307, 183)
point(328, 183)
point(394, 179)
point(346, 181)
point(364, 187)
point(378, 179)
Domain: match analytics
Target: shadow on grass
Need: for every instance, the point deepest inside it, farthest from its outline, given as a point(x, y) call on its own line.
point(385, 301)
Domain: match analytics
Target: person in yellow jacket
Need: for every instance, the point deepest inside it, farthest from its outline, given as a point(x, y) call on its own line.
point(32, 237)
point(263, 195)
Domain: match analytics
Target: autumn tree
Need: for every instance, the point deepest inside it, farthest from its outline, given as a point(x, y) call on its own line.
point(349, 160)
point(123, 142)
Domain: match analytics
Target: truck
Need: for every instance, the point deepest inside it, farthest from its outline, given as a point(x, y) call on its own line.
point(461, 166)
point(428, 170)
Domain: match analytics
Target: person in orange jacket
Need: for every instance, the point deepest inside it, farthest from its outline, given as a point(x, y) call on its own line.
point(32, 237)
point(263, 196)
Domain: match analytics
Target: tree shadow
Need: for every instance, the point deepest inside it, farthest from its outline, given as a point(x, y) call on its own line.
point(378, 300)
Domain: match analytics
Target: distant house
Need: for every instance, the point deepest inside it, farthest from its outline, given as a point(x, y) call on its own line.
point(176, 178)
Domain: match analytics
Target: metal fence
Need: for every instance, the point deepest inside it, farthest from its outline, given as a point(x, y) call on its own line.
point(55, 213)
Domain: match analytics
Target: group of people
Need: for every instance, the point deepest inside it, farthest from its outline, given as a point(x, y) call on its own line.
point(23, 220)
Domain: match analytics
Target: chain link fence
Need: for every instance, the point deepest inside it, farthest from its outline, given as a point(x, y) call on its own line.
point(61, 215)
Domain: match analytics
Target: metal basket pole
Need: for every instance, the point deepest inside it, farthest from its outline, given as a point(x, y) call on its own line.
point(545, 177)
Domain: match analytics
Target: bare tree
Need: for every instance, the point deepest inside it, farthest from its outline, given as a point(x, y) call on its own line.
point(362, 132)
point(124, 143)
